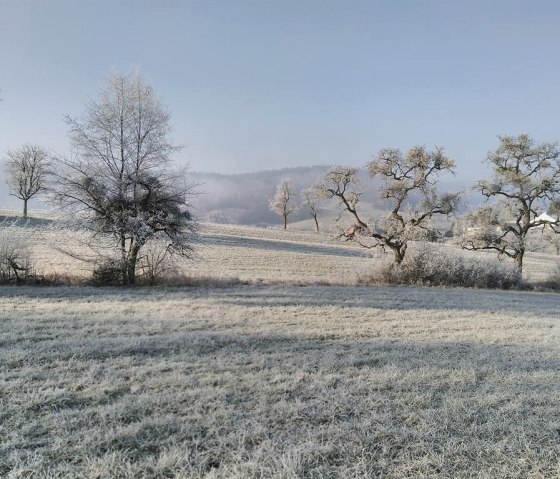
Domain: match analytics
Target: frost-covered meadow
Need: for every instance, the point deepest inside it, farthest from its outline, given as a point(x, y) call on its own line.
point(223, 252)
point(297, 373)
point(249, 254)
point(279, 381)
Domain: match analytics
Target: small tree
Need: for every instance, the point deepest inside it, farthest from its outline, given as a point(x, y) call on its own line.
point(407, 187)
point(15, 257)
point(311, 199)
point(119, 182)
point(525, 182)
point(26, 170)
point(283, 201)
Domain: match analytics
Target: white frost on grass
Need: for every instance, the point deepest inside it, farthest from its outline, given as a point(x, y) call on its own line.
point(252, 254)
point(278, 381)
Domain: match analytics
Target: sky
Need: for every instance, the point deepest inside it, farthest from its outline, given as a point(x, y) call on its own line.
point(268, 84)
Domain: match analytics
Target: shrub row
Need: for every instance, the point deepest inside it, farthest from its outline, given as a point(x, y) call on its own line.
point(439, 266)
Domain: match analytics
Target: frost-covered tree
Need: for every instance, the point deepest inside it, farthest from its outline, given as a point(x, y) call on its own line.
point(311, 197)
point(283, 201)
point(525, 182)
point(26, 170)
point(119, 180)
point(408, 190)
point(15, 257)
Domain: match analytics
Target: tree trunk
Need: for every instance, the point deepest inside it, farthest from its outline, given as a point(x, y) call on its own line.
point(124, 260)
point(285, 222)
point(25, 207)
point(131, 263)
point(519, 260)
point(399, 252)
point(15, 269)
point(316, 223)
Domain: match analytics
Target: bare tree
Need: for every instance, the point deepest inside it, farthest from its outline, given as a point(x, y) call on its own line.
point(525, 182)
point(26, 170)
point(311, 199)
point(15, 257)
point(408, 189)
point(119, 181)
point(283, 201)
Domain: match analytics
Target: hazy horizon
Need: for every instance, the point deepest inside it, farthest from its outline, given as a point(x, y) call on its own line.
point(265, 85)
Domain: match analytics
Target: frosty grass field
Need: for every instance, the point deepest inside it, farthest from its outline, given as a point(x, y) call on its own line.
point(297, 373)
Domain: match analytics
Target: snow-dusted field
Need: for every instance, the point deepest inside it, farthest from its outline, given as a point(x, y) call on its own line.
point(297, 374)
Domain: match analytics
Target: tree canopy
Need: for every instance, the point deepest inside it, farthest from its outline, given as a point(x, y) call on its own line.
point(283, 202)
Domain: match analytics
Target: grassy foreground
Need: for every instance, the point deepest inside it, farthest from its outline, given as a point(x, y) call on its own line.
point(264, 381)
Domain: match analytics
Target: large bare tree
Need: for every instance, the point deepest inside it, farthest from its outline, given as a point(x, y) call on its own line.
point(120, 181)
point(525, 182)
point(26, 169)
point(408, 190)
point(283, 201)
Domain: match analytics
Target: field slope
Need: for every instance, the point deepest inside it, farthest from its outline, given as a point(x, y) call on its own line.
point(251, 254)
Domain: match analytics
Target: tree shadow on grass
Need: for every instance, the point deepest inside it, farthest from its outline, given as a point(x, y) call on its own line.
point(282, 246)
point(399, 298)
point(277, 351)
point(385, 298)
point(21, 222)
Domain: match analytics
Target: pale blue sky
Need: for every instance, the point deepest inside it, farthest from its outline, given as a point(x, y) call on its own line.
point(266, 84)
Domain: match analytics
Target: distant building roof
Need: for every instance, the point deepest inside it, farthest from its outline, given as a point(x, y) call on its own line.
point(545, 217)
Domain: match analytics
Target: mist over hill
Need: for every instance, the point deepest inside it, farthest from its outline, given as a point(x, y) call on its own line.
point(243, 198)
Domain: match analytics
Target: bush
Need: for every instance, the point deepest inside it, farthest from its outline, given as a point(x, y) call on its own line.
point(553, 281)
point(157, 265)
point(430, 265)
point(108, 273)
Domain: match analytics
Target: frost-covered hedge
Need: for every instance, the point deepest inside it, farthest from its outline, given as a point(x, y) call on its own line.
point(441, 266)
point(554, 277)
